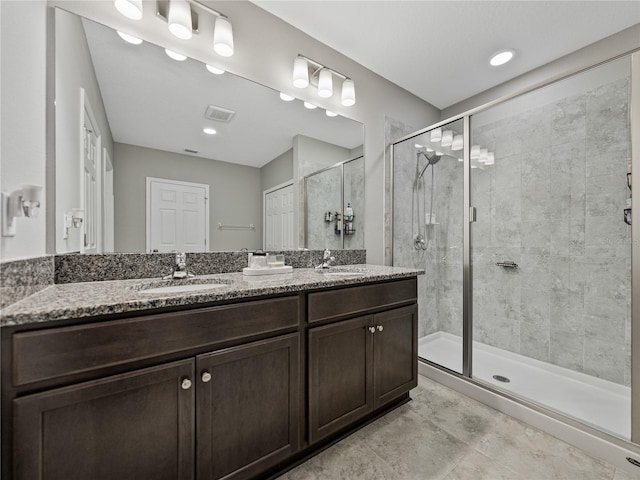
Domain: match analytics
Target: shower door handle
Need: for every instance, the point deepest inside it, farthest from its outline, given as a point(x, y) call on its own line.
point(472, 214)
point(508, 264)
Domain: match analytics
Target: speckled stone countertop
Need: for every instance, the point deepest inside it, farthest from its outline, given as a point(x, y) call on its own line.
point(80, 300)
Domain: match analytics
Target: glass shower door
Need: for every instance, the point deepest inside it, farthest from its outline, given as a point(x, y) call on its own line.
point(550, 249)
point(428, 234)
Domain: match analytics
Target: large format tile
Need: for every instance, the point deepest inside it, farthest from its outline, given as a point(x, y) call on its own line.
point(527, 450)
point(476, 466)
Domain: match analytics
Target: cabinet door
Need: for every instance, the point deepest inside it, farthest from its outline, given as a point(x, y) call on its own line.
point(395, 353)
point(248, 408)
point(340, 374)
point(131, 426)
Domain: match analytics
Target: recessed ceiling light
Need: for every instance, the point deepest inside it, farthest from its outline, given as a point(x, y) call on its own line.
point(310, 106)
point(129, 38)
point(175, 55)
point(286, 98)
point(331, 114)
point(501, 57)
point(215, 70)
point(417, 145)
point(209, 131)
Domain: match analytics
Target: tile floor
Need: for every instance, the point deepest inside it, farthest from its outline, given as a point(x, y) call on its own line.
point(442, 434)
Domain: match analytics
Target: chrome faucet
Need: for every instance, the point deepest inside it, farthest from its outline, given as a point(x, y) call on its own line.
point(179, 268)
point(326, 260)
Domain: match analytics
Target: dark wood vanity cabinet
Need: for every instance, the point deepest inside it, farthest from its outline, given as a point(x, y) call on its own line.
point(134, 425)
point(230, 392)
point(358, 365)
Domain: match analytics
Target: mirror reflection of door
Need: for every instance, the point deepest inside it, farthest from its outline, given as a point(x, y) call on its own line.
point(108, 219)
point(90, 184)
point(177, 216)
point(278, 218)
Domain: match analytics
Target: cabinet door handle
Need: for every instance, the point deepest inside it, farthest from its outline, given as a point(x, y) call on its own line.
point(380, 328)
point(206, 377)
point(186, 384)
point(372, 329)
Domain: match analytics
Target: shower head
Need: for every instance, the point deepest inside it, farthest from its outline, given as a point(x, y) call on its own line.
point(431, 160)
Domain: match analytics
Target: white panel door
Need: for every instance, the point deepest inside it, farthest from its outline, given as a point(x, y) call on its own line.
point(278, 215)
point(89, 187)
point(177, 216)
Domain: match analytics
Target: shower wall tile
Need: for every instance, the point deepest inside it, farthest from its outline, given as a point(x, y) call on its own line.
point(566, 349)
point(604, 359)
point(534, 341)
point(568, 120)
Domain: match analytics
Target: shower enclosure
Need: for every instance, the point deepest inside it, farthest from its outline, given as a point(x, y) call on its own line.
point(516, 212)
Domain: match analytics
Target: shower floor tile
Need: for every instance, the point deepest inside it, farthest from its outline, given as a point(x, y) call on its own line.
point(600, 403)
point(444, 435)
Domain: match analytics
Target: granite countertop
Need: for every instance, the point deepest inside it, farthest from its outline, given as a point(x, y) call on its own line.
point(81, 300)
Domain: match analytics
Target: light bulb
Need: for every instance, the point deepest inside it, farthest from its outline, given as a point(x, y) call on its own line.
point(447, 138)
point(457, 143)
point(501, 57)
point(215, 70)
point(310, 106)
point(286, 98)
point(300, 73)
point(436, 135)
point(129, 8)
point(129, 38)
point(325, 83)
point(179, 19)
point(223, 37)
point(175, 55)
point(348, 93)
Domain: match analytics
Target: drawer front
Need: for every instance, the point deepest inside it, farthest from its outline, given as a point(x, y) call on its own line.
point(337, 304)
point(46, 354)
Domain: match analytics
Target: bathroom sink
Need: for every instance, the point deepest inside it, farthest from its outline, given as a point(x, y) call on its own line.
point(336, 274)
point(184, 288)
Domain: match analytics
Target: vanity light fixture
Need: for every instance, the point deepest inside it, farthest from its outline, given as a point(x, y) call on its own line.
point(501, 57)
point(300, 72)
point(131, 9)
point(129, 38)
point(475, 152)
point(72, 219)
point(209, 131)
point(310, 106)
point(457, 143)
point(447, 138)
point(330, 113)
point(484, 155)
point(24, 202)
point(286, 98)
point(307, 71)
point(325, 83)
point(491, 159)
point(215, 70)
point(182, 18)
point(175, 55)
point(436, 135)
point(179, 19)
point(223, 37)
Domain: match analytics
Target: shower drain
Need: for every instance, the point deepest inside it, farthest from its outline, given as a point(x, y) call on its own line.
point(501, 378)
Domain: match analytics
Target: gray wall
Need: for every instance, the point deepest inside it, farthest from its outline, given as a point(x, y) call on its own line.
point(235, 195)
point(74, 70)
point(277, 171)
point(23, 30)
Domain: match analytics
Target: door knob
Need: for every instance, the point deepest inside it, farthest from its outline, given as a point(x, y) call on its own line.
point(380, 328)
point(372, 329)
point(206, 377)
point(186, 384)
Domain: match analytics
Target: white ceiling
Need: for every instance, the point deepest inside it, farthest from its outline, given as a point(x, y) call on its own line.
point(169, 114)
point(439, 50)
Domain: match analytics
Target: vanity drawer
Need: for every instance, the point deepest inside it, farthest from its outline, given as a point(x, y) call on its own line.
point(346, 302)
point(45, 354)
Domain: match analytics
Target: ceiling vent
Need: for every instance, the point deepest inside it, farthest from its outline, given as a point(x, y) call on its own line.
point(219, 114)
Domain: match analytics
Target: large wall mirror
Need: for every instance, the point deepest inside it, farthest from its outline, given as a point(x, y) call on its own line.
point(136, 171)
